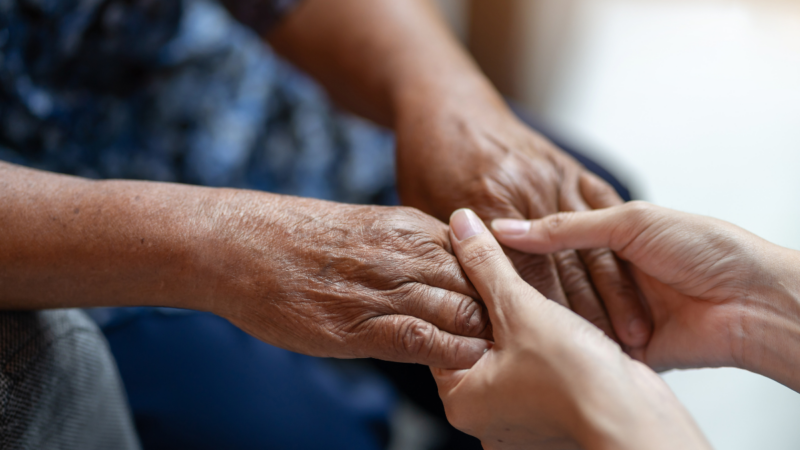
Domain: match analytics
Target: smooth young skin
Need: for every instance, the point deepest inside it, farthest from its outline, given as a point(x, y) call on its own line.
point(552, 380)
point(458, 144)
point(719, 295)
point(315, 277)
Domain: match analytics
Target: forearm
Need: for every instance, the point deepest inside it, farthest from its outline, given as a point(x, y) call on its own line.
point(72, 242)
point(771, 324)
point(381, 58)
point(640, 413)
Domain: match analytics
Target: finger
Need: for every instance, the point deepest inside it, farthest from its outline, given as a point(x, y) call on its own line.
point(629, 317)
point(613, 228)
point(601, 228)
point(487, 267)
point(610, 279)
point(541, 272)
point(449, 311)
point(597, 193)
point(408, 339)
point(583, 299)
point(440, 269)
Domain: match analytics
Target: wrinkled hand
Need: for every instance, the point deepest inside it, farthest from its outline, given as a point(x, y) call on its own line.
point(551, 380)
point(487, 160)
point(699, 276)
point(344, 281)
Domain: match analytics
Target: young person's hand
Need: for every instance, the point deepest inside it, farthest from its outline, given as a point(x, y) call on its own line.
point(718, 295)
point(552, 380)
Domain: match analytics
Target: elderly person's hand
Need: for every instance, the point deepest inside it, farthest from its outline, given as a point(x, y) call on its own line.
point(316, 277)
point(470, 151)
point(551, 380)
point(344, 281)
point(719, 295)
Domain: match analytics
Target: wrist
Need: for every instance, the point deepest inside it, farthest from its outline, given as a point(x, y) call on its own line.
point(638, 412)
point(231, 239)
point(459, 96)
point(771, 324)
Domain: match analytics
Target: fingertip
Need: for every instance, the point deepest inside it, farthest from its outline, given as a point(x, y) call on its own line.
point(465, 224)
point(638, 333)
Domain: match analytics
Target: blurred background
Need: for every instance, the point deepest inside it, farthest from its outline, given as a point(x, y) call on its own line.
point(695, 104)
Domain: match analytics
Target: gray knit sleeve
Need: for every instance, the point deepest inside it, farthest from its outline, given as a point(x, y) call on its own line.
point(59, 385)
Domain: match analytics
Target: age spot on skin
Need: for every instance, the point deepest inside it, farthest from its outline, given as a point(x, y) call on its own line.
point(76, 210)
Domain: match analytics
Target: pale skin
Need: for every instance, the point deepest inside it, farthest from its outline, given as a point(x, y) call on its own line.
point(551, 380)
point(318, 277)
point(719, 296)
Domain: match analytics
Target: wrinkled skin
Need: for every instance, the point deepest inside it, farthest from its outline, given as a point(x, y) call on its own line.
point(702, 278)
point(344, 281)
point(484, 158)
point(552, 381)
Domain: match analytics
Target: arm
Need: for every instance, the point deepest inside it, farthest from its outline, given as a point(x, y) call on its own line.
point(313, 277)
point(458, 145)
point(551, 380)
point(719, 295)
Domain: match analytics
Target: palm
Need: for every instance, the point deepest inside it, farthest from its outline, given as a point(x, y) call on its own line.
point(693, 322)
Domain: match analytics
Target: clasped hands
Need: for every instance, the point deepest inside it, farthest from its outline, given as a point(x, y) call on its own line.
point(513, 369)
point(718, 296)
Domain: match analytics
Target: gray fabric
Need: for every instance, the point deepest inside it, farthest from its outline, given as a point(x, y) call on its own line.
point(59, 385)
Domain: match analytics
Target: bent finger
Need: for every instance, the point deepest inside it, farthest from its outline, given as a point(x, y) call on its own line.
point(408, 339)
point(611, 281)
point(450, 311)
point(583, 299)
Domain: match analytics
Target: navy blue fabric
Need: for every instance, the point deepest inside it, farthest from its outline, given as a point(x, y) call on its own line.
point(580, 156)
point(197, 382)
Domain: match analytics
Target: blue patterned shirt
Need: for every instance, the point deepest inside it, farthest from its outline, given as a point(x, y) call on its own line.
point(176, 90)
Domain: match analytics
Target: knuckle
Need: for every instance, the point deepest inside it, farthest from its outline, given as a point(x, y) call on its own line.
point(600, 261)
point(537, 270)
point(415, 338)
point(574, 279)
point(555, 222)
point(471, 319)
point(638, 209)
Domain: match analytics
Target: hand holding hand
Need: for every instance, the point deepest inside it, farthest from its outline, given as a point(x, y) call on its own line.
point(718, 294)
point(551, 380)
point(477, 154)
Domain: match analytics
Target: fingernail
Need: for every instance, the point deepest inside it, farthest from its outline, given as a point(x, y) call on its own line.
point(511, 227)
point(638, 329)
point(466, 224)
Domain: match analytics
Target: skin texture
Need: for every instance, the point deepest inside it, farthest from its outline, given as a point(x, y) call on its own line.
point(315, 277)
point(719, 295)
point(353, 281)
point(551, 380)
point(458, 145)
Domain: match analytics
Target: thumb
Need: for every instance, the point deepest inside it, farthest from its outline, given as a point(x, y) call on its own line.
point(488, 268)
